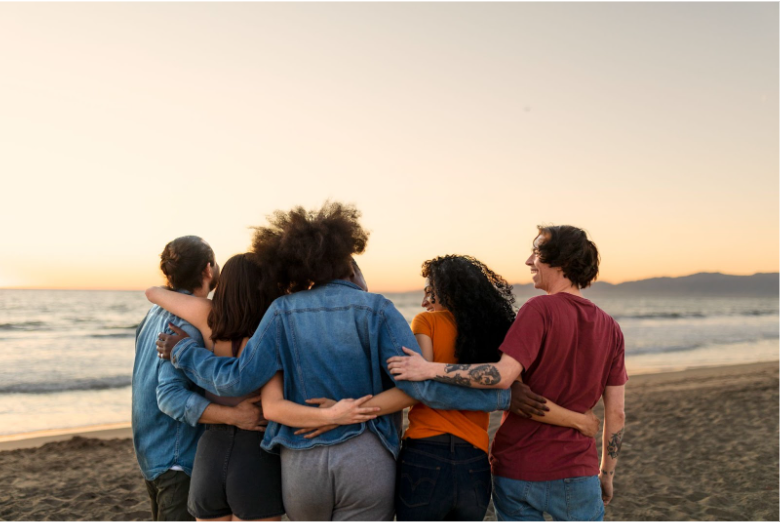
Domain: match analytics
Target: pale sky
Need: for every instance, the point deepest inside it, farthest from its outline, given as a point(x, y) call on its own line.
point(455, 128)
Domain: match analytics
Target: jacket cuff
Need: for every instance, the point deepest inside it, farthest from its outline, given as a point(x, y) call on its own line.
point(177, 350)
point(193, 410)
point(504, 399)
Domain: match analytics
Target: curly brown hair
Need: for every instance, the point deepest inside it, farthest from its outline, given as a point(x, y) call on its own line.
point(303, 248)
point(568, 247)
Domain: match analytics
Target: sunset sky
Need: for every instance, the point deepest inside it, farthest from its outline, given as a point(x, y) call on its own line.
point(455, 128)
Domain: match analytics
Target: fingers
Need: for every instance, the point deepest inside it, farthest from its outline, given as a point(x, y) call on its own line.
point(361, 400)
point(303, 430)
point(178, 330)
point(408, 351)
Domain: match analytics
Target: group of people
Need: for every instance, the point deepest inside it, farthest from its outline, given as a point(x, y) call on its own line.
point(284, 392)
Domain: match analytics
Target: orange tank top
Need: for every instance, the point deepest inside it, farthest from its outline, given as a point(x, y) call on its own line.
point(471, 426)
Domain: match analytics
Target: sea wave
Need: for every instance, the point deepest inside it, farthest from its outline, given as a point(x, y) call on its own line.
point(102, 383)
point(112, 335)
point(693, 315)
point(686, 347)
point(22, 325)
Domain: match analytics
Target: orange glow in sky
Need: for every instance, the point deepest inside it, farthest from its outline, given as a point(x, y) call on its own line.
point(654, 126)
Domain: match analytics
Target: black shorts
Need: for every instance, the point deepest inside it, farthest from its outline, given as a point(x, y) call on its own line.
point(233, 475)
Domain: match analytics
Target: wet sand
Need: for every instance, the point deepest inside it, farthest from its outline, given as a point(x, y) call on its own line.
point(699, 445)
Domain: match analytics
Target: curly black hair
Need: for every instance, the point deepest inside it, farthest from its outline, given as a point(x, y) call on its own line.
point(570, 249)
point(480, 300)
point(302, 248)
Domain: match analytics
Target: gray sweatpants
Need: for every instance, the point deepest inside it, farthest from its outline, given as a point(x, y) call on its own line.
point(354, 480)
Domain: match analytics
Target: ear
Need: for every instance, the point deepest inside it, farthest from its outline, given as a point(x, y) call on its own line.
point(208, 272)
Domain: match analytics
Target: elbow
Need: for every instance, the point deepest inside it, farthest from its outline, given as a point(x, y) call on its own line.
point(616, 415)
point(149, 293)
point(272, 412)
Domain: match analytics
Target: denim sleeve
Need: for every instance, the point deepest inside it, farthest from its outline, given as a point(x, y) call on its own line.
point(176, 395)
point(233, 376)
point(394, 332)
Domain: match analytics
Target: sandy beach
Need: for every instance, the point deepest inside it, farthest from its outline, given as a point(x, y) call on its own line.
point(699, 445)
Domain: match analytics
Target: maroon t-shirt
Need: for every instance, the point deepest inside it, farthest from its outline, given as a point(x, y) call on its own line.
point(570, 350)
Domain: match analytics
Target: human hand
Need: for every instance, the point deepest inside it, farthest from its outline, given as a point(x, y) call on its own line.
point(590, 424)
point(351, 411)
point(607, 489)
point(310, 433)
point(166, 342)
point(248, 415)
point(526, 403)
point(412, 367)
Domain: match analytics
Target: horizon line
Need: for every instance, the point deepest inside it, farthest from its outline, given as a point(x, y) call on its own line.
point(378, 291)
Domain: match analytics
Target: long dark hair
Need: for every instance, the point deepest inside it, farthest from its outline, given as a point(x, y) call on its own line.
point(241, 299)
point(480, 300)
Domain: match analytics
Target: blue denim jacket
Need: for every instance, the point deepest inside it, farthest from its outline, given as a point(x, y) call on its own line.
point(163, 401)
point(330, 341)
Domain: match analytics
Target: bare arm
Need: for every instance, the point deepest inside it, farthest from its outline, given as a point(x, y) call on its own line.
point(414, 367)
point(246, 415)
point(426, 346)
point(194, 310)
point(614, 425)
point(277, 409)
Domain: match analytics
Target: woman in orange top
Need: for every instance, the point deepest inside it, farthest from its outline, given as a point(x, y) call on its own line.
point(443, 468)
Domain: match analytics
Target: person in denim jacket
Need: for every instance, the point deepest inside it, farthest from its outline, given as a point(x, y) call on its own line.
point(167, 408)
point(330, 338)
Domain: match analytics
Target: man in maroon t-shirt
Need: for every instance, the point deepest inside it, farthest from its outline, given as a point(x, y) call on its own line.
point(571, 352)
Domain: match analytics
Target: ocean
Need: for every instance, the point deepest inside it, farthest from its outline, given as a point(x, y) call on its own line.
point(66, 356)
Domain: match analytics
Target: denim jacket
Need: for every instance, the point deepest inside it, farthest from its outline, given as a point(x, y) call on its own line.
point(166, 405)
point(331, 341)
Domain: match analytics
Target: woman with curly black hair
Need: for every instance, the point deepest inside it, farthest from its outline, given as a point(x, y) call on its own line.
point(443, 470)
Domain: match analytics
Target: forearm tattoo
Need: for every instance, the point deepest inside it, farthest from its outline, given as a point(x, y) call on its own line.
point(484, 374)
point(456, 368)
point(613, 446)
point(455, 379)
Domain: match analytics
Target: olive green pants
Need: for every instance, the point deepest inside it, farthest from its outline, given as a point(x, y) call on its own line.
point(168, 494)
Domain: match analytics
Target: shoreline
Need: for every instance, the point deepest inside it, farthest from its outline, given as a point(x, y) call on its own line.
point(122, 430)
point(700, 444)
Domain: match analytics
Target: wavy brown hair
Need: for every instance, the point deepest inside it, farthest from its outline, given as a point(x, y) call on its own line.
point(480, 300)
point(570, 249)
point(241, 299)
point(303, 248)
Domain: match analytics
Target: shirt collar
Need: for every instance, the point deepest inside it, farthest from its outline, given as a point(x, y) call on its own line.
point(345, 283)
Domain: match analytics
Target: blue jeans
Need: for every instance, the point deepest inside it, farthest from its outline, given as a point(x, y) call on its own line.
point(441, 481)
point(577, 498)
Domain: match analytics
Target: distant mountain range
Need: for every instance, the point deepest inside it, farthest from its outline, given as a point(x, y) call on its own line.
point(704, 284)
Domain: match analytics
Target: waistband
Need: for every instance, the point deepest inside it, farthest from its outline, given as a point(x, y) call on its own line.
point(444, 438)
point(230, 428)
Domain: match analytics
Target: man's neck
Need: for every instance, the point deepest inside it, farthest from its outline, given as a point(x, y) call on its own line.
point(564, 286)
point(203, 291)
